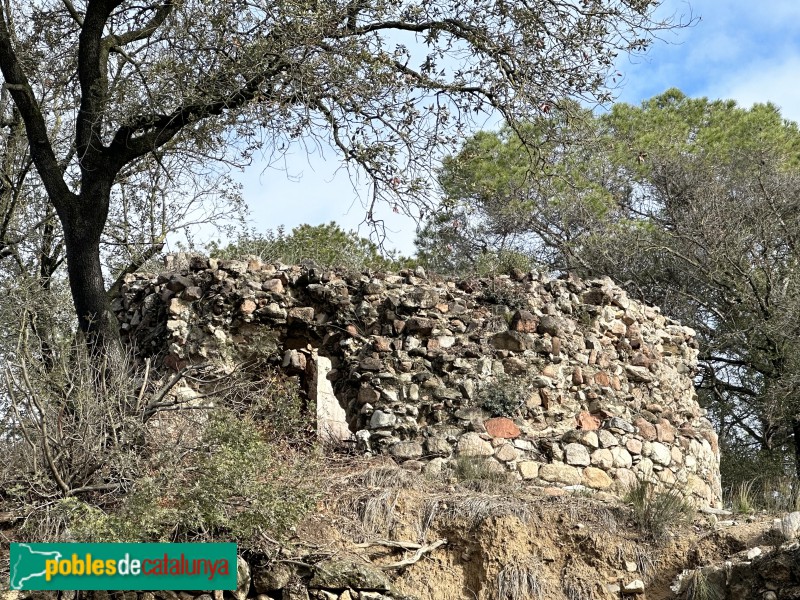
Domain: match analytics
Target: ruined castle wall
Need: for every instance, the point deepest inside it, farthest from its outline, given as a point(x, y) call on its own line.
point(562, 382)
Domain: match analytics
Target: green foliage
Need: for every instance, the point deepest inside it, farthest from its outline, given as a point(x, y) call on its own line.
point(242, 485)
point(503, 262)
point(503, 397)
point(328, 246)
point(502, 292)
point(672, 127)
point(692, 204)
point(219, 82)
point(657, 510)
point(742, 498)
point(740, 465)
point(273, 401)
point(138, 518)
point(232, 487)
point(515, 192)
point(240, 464)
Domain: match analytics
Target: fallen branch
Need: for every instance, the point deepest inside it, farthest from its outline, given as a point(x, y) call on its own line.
point(391, 544)
point(420, 551)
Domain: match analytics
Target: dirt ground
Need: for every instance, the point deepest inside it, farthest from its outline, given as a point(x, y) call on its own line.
point(513, 541)
point(490, 540)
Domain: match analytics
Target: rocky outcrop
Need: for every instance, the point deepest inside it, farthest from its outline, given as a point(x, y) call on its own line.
point(561, 382)
point(760, 574)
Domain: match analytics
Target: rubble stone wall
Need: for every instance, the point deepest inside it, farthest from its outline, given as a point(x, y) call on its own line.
point(562, 382)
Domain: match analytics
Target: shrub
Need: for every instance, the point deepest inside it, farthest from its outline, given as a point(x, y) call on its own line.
point(506, 293)
point(74, 426)
point(115, 454)
point(504, 262)
point(329, 246)
point(232, 487)
point(241, 484)
point(273, 402)
point(503, 397)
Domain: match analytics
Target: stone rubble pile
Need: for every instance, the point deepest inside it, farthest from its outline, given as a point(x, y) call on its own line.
point(562, 382)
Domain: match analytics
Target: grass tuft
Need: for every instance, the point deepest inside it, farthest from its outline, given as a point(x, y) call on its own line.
point(655, 510)
point(520, 580)
point(698, 586)
point(743, 500)
point(480, 474)
point(475, 509)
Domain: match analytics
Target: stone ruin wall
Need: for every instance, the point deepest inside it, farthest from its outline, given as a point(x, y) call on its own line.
point(407, 366)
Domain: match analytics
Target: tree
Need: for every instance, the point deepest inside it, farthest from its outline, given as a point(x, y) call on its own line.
point(693, 205)
point(710, 214)
point(500, 202)
point(385, 82)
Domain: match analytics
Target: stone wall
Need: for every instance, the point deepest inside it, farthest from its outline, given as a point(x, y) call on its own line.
point(562, 382)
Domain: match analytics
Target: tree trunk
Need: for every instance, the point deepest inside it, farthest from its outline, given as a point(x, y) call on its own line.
point(83, 218)
point(92, 307)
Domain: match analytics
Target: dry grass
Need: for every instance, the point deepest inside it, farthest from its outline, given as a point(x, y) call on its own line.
point(384, 477)
point(770, 493)
point(608, 520)
point(646, 561)
point(743, 498)
point(521, 580)
point(427, 516)
point(777, 494)
point(642, 555)
point(479, 474)
point(371, 497)
point(474, 510)
point(576, 588)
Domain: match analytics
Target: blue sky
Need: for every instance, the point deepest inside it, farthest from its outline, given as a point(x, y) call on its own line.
point(743, 50)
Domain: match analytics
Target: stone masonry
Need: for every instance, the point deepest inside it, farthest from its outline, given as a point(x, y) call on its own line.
point(562, 382)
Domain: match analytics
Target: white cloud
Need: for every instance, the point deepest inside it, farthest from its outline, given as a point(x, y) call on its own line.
point(764, 82)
